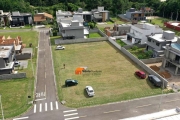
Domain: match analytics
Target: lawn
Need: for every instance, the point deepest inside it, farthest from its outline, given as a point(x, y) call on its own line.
point(120, 42)
point(94, 35)
point(115, 82)
point(15, 92)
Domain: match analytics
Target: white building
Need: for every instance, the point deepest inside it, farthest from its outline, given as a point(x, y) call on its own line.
point(100, 15)
point(138, 32)
point(62, 14)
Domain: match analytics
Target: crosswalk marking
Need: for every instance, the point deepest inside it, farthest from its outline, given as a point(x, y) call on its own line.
point(56, 105)
point(35, 108)
point(71, 118)
point(40, 108)
point(45, 106)
point(51, 106)
point(71, 114)
point(69, 111)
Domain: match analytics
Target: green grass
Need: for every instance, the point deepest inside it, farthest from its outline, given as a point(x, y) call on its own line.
point(94, 35)
point(15, 92)
point(120, 42)
point(116, 82)
point(53, 39)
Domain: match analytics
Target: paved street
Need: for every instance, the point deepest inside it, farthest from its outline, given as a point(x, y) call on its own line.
point(47, 106)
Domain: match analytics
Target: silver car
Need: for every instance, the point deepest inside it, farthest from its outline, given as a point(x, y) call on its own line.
point(59, 47)
point(90, 91)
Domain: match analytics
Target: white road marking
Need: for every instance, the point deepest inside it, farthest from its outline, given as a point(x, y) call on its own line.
point(35, 108)
point(21, 118)
point(40, 107)
point(45, 90)
point(45, 106)
point(51, 106)
point(69, 111)
point(143, 106)
point(71, 114)
point(172, 100)
point(45, 75)
point(57, 105)
point(71, 118)
point(40, 99)
point(112, 111)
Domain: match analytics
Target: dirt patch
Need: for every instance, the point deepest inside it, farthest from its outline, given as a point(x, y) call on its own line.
point(155, 68)
point(165, 74)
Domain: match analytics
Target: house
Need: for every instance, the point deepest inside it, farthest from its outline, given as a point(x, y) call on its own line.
point(171, 59)
point(20, 19)
point(157, 42)
point(133, 15)
point(72, 30)
point(63, 14)
point(16, 42)
point(100, 15)
point(39, 18)
point(118, 30)
point(5, 17)
point(138, 32)
point(87, 15)
point(6, 59)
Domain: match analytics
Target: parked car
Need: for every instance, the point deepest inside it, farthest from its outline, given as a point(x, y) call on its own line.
point(17, 63)
point(141, 74)
point(155, 80)
point(59, 47)
point(90, 91)
point(70, 82)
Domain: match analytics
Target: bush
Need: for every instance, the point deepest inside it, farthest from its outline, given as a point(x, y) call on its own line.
point(134, 48)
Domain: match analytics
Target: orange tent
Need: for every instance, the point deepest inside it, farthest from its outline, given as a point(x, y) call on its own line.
point(79, 70)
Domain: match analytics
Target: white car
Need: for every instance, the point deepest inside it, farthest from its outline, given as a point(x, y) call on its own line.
point(59, 47)
point(90, 91)
point(16, 63)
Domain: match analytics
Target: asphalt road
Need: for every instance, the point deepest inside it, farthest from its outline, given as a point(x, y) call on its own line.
point(47, 106)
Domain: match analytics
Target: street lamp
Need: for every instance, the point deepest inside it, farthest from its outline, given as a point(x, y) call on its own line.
point(161, 93)
point(1, 108)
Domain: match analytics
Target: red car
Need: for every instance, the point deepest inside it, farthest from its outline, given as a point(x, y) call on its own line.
point(141, 74)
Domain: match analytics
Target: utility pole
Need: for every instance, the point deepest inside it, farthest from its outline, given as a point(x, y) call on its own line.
point(177, 15)
point(1, 108)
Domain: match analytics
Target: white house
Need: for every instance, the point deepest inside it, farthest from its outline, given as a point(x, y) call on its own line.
point(100, 15)
point(138, 32)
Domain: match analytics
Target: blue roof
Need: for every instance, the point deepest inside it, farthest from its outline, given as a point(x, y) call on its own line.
point(176, 46)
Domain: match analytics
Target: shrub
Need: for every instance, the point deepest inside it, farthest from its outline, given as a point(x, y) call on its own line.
point(134, 48)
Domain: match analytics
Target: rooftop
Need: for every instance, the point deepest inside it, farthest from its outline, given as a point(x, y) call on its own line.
point(159, 38)
point(83, 12)
point(60, 12)
point(5, 51)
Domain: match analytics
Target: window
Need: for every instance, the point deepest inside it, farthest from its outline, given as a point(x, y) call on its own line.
point(139, 15)
point(149, 39)
point(100, 14)
point(157, 44)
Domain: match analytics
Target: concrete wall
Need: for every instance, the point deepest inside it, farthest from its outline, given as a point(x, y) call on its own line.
point(152, 60)
point(78, 33)
point(23, 56)
point(12, 76)
point(73, 41)
point(138, 62)
point(138, 45)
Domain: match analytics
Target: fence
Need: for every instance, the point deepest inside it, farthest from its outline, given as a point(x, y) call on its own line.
point(137, 61)
point(152, 60)
point(12, 76)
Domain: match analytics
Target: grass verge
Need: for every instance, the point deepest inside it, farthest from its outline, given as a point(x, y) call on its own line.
point(120, 42)
point(94, 35)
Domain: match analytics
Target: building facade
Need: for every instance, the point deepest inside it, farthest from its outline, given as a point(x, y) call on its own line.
point(21, 19)
point(6, 59)
point(100, 15)
point(157, 42)
point(5, 18)
point(138, 32)
point(171, 60)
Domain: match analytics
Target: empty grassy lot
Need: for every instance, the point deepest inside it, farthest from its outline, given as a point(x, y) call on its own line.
point(116, 82)
point(15, 92)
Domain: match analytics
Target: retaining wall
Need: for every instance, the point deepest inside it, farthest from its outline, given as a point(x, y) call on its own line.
point(12, 76)
point(152, 60)
point(82, 40)
point(23, 56)
point(137, 61)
